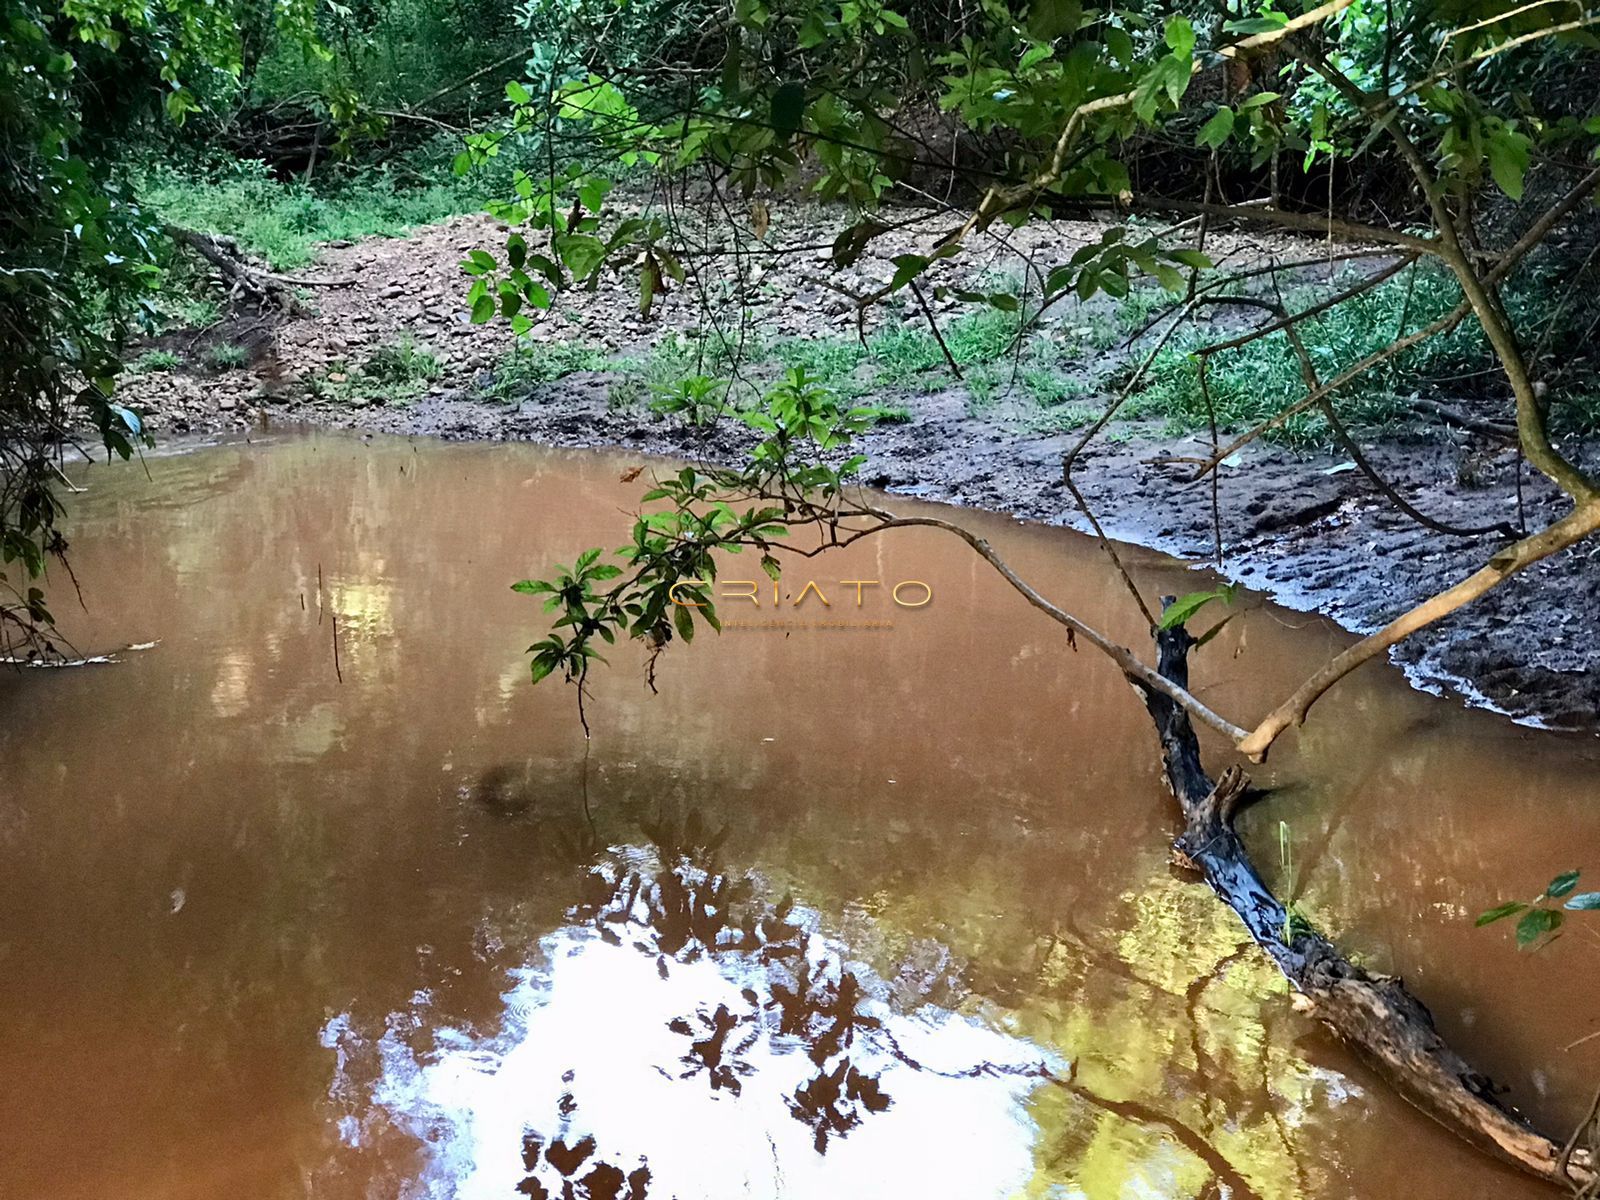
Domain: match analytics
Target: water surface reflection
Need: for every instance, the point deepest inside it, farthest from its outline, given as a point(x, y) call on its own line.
point(234, 877)
point(686, 1034)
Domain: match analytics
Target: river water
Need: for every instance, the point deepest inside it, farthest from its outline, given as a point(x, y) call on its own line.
point(881, 910)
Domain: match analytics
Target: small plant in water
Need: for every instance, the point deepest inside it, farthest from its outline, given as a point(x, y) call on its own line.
point(1294, 921)
point(1542, 916)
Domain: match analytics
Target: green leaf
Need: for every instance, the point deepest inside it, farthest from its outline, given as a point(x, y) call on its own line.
point(1500, 912)
point(532, 587)
point(1252, 25)
point(1584, 902)
point(1180, 36)
point(847, 247)
point(482, 309)
point(1259, 100)
point(516, 93)
point(1181, 609)
point(593, 193)
point(1217, 130)
point(683, 618)
point(542, 666)
point(581, 253)
point(1535, 924)
point(1562, 885)
point(906, 268)
point(788, 106)
point(1120, 44)
point(1508, 160)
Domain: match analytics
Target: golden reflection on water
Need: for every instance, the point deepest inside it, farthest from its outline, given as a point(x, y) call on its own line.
point(220, 846)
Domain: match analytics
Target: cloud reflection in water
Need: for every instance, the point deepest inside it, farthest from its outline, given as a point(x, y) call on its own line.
point(682, 1038)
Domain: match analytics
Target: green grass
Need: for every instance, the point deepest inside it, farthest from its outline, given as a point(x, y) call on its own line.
point(182, 304)
point(1049, 387)
point(402, 363)
point(904, 353)
point(1102, 332)
point(283, 222)
point(154, 360)
point(531, 363)
point(1140, 305)
point(1252, 383)
point(677, 357)
point(1061, 420)
point(829, 360)
point(225, 356)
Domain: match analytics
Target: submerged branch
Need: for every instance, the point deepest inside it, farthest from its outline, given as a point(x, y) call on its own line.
point(1374, 1014)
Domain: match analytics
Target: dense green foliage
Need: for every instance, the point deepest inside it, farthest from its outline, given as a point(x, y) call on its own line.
point(77, 252)
point(1250, 384)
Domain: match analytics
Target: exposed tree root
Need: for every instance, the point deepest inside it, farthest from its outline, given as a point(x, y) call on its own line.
point(245, 281)
point(1375, 1014)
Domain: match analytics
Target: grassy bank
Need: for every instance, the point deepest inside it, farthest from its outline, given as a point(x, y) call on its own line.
point(284, 221)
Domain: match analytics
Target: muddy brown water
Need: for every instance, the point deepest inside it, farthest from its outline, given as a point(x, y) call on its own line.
point(866, 911)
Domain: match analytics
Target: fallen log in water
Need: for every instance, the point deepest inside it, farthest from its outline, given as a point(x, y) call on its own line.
point(1375, 1014)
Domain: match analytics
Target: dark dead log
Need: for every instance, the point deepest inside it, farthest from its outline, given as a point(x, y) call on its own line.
point(244, 280)
point(1388, 1026)
point(1488, 427)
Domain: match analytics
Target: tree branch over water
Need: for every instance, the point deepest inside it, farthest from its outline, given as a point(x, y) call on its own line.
point(1066, 103)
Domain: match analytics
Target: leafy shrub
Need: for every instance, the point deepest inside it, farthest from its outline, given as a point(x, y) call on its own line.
point(531, 363)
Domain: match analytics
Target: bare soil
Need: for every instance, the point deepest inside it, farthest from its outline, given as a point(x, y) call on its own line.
point(1305, 528)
